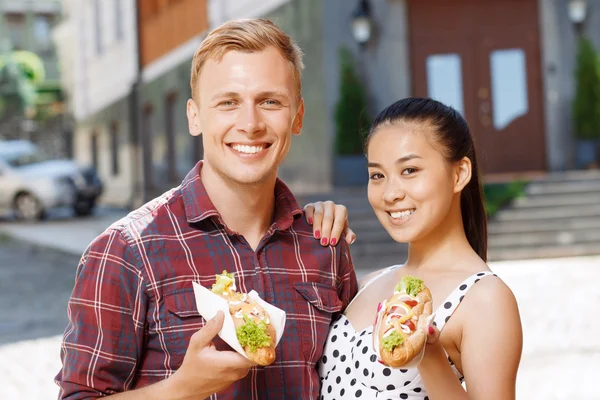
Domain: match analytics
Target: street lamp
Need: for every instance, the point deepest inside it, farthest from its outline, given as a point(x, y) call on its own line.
point(577, 14)
point(361, 23)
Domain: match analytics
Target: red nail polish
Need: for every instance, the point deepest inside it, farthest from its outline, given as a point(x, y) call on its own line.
point(317, 234)
point(324, 241)
point(431, 330)
point(310, 221)
point(333, 241)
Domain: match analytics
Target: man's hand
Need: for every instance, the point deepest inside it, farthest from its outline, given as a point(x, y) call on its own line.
point(205, 370)
point(329, 221)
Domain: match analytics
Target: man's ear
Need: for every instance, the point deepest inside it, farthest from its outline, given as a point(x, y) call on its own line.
point(193, 118)
point(299, 119)
point(462, 174)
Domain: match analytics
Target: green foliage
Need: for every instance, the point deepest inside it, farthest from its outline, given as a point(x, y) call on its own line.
point(497, 195)
point(586, 104)
point(351, 114)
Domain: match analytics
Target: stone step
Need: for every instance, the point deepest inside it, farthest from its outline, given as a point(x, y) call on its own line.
point(549, 188)
point(378, 255)
point(589, 210)
point(570, 176)
point(571, 250)
point(558, 200)
point(549, 225)
point(558, 238)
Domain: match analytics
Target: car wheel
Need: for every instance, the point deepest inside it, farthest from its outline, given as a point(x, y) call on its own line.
point(28, 208)
point(83, 208)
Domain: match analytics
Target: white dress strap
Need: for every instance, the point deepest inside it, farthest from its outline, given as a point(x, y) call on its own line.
point(447, 308)
point(373, 279)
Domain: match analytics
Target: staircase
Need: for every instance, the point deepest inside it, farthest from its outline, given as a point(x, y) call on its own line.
point(559, 216)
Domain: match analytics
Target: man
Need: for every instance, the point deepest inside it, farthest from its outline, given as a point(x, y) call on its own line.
point(134, 331)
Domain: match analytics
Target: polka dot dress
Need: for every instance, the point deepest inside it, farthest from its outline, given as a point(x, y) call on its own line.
point(349, 368)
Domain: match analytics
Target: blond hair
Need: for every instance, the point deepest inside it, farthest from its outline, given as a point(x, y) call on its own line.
point(249, 36)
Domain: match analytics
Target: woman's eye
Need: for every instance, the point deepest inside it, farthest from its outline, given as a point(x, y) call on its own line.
point(409, 171)
point(375, 176)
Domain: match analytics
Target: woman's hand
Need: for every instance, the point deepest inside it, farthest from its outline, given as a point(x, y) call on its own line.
point(329, 221)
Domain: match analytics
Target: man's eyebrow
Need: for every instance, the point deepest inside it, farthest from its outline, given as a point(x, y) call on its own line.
point(225, 94)
point(274, 93)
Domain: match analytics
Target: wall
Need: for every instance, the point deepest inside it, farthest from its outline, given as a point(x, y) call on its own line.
point(118, 190)
point(105, 76)
point(558, 59)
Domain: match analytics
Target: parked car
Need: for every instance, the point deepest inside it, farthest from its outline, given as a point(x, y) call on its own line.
point(32, 183)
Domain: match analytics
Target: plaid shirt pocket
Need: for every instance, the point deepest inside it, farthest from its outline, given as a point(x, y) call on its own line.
point(182, 321)
point(318, 302)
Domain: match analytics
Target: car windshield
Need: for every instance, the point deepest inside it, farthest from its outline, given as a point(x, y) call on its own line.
point(22, 157)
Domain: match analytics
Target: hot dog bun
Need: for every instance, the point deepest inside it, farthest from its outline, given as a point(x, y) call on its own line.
point(253, 326)
point(400, 330)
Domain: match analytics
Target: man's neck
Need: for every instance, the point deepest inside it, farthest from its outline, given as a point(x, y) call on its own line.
point(245, 209)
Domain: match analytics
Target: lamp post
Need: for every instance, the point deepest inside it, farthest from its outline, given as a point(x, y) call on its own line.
point(362, 24)
point(577, 14)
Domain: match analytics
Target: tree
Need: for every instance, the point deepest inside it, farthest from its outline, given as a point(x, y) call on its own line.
point(351, 114)
point(586, 104)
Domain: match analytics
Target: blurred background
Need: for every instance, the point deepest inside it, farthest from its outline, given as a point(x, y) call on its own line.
point(92, 125)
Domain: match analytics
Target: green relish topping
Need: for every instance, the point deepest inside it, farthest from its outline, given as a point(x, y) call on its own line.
point(392, 340)
point(223, 281)
point(252, 334)
point(411, 285)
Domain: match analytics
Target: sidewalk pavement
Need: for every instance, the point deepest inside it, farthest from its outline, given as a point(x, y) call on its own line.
point(558, 299)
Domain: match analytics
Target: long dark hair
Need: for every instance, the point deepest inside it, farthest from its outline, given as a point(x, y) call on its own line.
point(451, 132)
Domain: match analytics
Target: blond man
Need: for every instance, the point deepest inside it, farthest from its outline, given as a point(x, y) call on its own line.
point(134, 332)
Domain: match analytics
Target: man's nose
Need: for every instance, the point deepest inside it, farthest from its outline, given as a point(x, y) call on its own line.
point(250, 120)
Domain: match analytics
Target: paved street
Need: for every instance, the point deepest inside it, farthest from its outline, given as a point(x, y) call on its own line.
point(34, 289)
point(558, 298)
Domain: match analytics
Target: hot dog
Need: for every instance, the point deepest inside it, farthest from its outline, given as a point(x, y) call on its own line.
point(400, 328)
point(253, 326)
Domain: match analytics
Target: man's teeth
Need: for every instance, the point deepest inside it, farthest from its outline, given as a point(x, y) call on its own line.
point(402, 214)
point(247, 149)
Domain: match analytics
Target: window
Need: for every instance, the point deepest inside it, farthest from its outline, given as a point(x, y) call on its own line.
point(114, 147)
point(170, 109)
point(15, 25)
point(97, 27)
point(94, 149)
point(444, 80)
point(118, 19)
point(509, 86)
point(41, 31)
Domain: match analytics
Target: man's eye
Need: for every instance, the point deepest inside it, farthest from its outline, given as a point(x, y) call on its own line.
point(271, 102)
point(226, 103)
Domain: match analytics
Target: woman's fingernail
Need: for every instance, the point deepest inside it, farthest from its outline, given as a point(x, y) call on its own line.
point(310, 221)
point(324, 241)
point(431, 330)
point(333, 241)
point(317, 234)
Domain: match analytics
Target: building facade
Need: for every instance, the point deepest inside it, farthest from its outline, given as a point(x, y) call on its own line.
point(507, 65)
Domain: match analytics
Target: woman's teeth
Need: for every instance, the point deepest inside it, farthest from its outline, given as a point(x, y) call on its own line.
point(247, 149)
point(402, 214)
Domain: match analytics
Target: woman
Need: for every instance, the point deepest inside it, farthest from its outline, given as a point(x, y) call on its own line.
point(425, 190)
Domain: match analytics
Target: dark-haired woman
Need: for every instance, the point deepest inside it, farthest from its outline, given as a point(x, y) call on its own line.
point(425, 189)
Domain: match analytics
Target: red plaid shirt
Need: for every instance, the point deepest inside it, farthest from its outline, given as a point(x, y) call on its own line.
point(132, 310)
